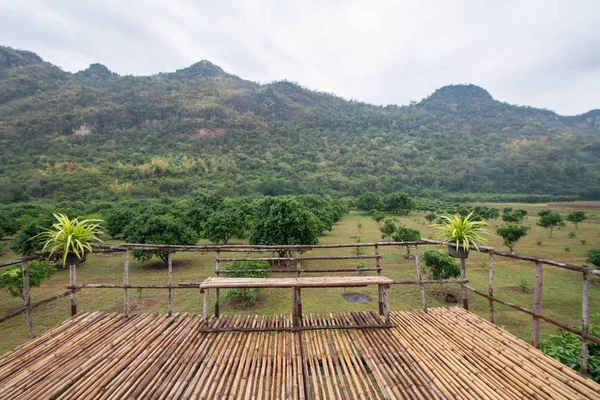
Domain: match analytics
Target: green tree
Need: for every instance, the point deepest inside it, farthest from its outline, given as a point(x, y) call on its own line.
point(378, 216)
point(404, 234)
point(27, 241)
point(511, 234)
point(593, 257)
point(158, 229)
point(440, 265)
point(550, 220)
point(576, 217)
point(224, 224)
point(11, 280)
point(283, 221)
point(515, 216)
point(387, 229)
point(369, 201)
point(398, 203)
point(431, 217)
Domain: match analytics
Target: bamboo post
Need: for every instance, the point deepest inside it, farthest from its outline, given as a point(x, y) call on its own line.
point(491, 285)
point(295, 322)
point(299, 294)
point(205, 305)
point(217, 291)
point(27, 299)
point(585, 311)
point(386, 307)
point(419, 278)
point(170, 262)
point(126, 282)
point(463, 288)
point(537, 305)
point(73, 282)
point(379, 288)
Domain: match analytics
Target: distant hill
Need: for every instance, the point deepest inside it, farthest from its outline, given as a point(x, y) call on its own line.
point(97, 135)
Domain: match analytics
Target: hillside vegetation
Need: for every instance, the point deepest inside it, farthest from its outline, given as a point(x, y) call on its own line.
point(97, 135)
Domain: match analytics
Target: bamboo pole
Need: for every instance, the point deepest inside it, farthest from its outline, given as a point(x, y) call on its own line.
point(205, 305)
point(585, 311)
point(170, 280)
point(217, 291)
point(34, 305)
point(126, 283)
point(27, 299)
point(295, 321)
point(386, 306)
point(299, 293)
point(73, 282)
point(491, 285)
point(537, 304)
point(420, 278)
point(379, 288)
point(463, 289)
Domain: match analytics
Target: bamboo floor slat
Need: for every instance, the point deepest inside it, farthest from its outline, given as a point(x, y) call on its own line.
point(446, 353)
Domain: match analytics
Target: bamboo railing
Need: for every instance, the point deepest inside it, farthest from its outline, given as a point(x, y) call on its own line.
point(300, 250)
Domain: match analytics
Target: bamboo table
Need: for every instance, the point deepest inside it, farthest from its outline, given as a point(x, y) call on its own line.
point(296, 284)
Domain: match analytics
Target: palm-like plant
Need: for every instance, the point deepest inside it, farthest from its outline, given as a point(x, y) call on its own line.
point(71, 236)
point(463, 232)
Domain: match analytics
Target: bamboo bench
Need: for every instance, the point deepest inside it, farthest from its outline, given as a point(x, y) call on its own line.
point(296, 284)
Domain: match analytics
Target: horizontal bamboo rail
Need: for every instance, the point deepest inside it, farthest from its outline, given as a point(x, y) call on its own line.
point(302, 258)
point(553, 321)
point(34, 305)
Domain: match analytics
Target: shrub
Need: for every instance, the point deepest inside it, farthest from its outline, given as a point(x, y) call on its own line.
point(550, 220)
point(525, 286)
point(387, 229)
point(572, 234)
point(566, 348)
point(512, 234)
point(440, 265)
point(576, 217)
point(247, 295)
point(593, 257)
point(11, 280)
point(431, 217)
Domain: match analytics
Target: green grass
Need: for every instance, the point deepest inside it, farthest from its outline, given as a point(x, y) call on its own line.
point(561, 293)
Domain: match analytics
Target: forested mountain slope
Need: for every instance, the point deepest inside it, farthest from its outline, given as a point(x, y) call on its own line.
point(97, 135)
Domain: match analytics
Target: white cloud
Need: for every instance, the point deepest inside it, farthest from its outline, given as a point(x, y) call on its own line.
point(538, 53)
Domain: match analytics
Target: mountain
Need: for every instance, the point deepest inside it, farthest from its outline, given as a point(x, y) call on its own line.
point(97, 135)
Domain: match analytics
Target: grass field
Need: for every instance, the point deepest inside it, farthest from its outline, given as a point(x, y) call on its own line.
point(561, 293)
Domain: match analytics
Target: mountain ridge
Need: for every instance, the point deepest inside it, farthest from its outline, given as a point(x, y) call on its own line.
point(111, 136)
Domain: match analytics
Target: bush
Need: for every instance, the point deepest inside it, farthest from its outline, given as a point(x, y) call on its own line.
point(593, 257)
point(247, 295)
point(566, 348)
point(11, 280)
point(441, 265)
point(512, 234)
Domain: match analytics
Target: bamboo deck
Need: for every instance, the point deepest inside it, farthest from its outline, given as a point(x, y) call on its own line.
point(445, 353)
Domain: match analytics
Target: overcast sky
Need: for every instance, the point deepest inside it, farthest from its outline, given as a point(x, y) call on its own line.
point(540, 53)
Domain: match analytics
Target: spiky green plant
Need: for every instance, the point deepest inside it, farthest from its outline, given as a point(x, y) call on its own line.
point(462, 231)
point(71, 236)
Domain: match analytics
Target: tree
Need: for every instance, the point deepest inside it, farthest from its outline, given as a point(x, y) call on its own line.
point(158, 229)
point(404, 234)
point(512, 234)
point(593, 257)
point(576, 217)
point(11, 280)
point(283, 221)
point(387, 229)
point(550, 220)
point(27, 241)
point(441, 265)
point(398, 203)
point(431, 217)
point(378, 216)
point(118, 218)
point(515, 216)
point(224, 224)
point(369, 201)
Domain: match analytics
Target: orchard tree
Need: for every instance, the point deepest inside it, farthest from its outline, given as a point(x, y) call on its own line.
point(387, 229)
point(283, 221)
point(550, 220)
point(158, 229)
point(431, 217)
point(11, 280)
point(398, 203)
point(515, 216)
point(369, 201)
point(593, 257)
point(378, 216)
point(404, 234)
point(224, 224)
point(576, 217)
point(440, 265)
point(511, 234)
point(27, 241)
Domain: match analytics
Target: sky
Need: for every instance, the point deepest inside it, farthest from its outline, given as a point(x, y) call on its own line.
point(544, 54)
